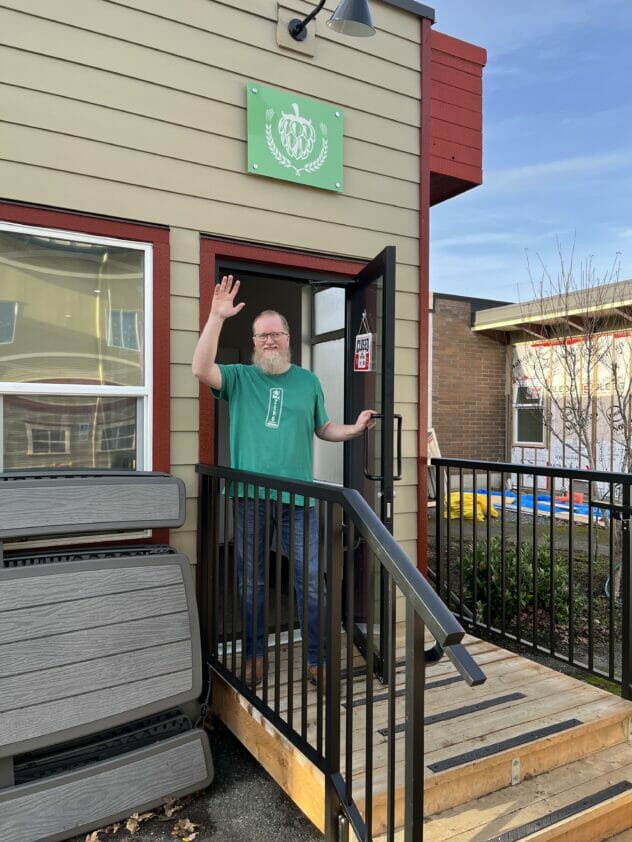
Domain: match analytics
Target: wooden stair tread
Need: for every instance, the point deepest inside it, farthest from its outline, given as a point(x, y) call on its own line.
point(520, 697)
point(494, 814)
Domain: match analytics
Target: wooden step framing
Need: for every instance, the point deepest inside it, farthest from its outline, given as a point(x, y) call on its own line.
point(522, 724)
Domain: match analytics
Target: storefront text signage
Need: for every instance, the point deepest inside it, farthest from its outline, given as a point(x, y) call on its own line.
point(294, 138)
point(363, 359)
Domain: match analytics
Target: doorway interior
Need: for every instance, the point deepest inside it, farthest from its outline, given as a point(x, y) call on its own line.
point(326, 310)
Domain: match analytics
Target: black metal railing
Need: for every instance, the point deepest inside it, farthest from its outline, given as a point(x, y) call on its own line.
point(348, 730)
point(540, 556)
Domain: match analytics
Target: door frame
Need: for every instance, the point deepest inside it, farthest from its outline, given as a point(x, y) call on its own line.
point(289, 264)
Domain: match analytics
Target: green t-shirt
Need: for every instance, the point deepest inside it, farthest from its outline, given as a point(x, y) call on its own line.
point(272, 420)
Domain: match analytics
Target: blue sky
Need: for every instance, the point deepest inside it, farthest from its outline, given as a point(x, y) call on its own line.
point(557, 145)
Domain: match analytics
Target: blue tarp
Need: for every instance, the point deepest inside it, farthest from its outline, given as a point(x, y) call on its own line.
point(543, 504)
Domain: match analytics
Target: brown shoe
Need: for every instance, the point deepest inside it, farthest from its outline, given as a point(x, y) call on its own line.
point(312, 675)
point(258, 670)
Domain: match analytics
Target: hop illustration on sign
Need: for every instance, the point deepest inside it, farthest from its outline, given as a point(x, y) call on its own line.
point(297, 134)
point(298, 137)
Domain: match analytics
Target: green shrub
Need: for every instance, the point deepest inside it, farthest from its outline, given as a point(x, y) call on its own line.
point(517, 584)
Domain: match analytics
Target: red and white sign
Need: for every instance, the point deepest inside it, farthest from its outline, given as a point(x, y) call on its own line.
point(363, 359)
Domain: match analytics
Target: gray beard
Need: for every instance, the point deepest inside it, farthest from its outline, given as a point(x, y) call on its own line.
point(271, 363)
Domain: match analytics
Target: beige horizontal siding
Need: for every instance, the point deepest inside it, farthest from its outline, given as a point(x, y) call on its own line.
point(185, 543)
point(407, 307)
point(183, 384)
point(43, 185)
point(386, 18)
point(112, 90)
point(185, 277)
point(184, 414)
point(405, 389)
point(189, 477)
point(185, 248)
point(406, 334)
point(135, 109)
point(214, 66)
point(182, 345)
point(145, 170)
point(405, 361)
point(396, 170)
point(185, 313)
point(405, 525)
point(184, 448)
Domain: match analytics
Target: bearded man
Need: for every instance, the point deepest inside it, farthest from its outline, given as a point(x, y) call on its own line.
point(275, 410)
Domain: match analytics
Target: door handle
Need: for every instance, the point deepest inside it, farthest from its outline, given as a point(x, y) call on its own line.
point(368, 475)
point(398, 475)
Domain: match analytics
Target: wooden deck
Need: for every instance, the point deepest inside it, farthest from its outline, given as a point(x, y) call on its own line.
point(531, 748)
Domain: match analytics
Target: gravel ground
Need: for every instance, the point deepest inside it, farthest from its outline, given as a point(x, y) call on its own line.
point(243, 804)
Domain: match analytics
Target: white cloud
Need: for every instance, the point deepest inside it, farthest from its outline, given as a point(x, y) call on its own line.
point(576, 166)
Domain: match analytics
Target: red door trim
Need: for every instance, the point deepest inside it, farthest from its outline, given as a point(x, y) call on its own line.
point(424, 292)
point(211, 251)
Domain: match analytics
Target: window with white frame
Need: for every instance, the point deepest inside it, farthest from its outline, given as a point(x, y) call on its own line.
point(123, 330)
point(528, 416)
point(118, 437)
point(75, 375)
point(47, 441)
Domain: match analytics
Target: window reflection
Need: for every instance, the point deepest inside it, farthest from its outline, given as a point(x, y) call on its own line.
point(72, 311)
point(8, 315)
point(41, 431)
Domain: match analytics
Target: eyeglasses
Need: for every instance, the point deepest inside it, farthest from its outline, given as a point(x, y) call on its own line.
point(274, 335)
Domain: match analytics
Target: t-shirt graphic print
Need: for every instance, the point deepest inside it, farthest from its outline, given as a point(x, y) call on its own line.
point(275, 407)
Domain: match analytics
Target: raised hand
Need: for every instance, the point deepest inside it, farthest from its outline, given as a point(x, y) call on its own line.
point(223, 304)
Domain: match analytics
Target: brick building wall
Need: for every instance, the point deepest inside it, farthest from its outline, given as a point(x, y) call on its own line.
point(468, 383)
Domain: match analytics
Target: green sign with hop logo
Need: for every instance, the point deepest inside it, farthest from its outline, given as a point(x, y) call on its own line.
point(294, 138)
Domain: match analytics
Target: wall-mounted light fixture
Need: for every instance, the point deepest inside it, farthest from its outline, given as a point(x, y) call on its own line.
point(351, 17)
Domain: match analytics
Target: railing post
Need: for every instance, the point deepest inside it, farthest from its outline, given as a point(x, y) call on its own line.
point(334, 568)
point(439, 509)
point(626, 643)
point(414, 751)
point(203, 584)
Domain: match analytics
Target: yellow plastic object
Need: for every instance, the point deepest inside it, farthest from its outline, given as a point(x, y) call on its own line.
point(466, 499)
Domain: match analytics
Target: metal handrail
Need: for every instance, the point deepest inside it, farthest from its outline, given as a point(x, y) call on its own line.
point(586, 555)
point(441, 622)
point(423, 608)
point(529, 470)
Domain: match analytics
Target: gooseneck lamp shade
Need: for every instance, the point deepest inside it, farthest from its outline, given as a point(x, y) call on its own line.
point(352, 17)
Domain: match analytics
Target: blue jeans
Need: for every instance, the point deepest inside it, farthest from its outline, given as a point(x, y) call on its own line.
point(312, 568)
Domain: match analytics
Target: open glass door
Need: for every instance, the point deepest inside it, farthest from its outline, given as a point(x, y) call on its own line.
point(360, 306)
point(368, 463)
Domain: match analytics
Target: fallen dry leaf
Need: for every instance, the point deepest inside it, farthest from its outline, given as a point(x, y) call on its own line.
point(171, 806)
point(132, 824)
point(93, 837)
point(184, 828)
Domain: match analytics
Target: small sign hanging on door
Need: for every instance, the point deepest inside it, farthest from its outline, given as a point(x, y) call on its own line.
point(364, 356)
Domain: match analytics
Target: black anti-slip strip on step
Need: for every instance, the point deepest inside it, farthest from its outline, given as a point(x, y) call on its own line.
point(444, 682)
point(462, 711)
point(563, 813)
point(496, 748)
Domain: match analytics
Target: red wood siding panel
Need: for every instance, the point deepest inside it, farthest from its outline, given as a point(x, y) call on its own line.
point(456, 116)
